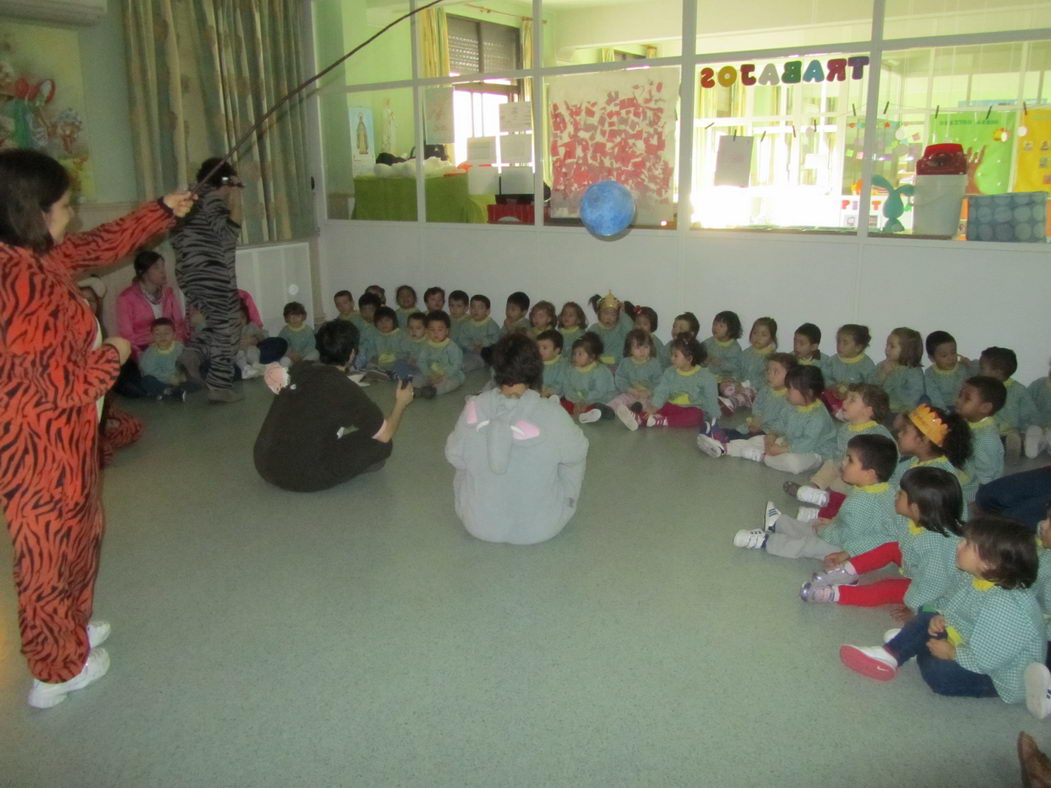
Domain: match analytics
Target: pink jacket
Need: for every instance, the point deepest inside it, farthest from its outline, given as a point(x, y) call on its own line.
point(135, 314)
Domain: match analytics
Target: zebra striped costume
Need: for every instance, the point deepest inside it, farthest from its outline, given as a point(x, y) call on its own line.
point(205, 243)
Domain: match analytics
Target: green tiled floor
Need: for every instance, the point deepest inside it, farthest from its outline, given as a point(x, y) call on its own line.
point(360, 637)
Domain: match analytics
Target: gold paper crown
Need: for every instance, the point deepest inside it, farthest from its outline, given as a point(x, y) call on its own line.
point(610, 300)
point(929, 424)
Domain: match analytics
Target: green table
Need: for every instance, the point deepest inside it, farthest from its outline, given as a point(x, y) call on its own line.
point(394, 199)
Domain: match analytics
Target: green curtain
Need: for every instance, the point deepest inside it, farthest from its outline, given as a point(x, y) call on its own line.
point(201, 73)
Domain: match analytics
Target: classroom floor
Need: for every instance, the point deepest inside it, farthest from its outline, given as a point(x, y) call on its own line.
point(360, 637)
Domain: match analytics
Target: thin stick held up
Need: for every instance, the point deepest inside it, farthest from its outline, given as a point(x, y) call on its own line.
point(288, 96)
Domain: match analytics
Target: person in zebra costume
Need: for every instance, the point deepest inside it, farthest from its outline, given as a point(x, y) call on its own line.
point(205, 244)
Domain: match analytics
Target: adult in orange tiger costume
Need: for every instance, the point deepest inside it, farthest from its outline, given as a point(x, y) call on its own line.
point(54, 370)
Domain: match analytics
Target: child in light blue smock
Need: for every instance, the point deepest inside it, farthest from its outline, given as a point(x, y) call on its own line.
point(900, 373)
point(978, 403)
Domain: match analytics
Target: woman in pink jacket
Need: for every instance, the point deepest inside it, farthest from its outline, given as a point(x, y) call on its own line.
point(148, 297)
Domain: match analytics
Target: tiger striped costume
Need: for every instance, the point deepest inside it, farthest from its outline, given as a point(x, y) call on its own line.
point(52, 374)
point(117, 430)
point(205, 244)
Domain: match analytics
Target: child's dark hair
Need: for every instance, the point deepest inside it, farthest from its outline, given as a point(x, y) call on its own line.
point(416, 316)
point(731, 321)
point(385, 312)
point(911, 346)
point(786, 360)
point(938, 495)
point(937, 338)
point(543, 306)
point(482, 299)
point(433, 291)
point(1000, 359)
point(691, 318)
point(459, 296)
point(517, 360)
point(859, 333)
point(769, 324)
point(591, 342)
point(639, 337)
point(649, 313)
point(1009, 548)
point(343, 294)
point(369, 298)
point(519, 299)
point(438, 316)
point(875, 397)
point(957, 444)
point(403, 288)
point(989, 390)
point(807, 380)
point(335, 341)
point(162, 321)
point(552, 336)
point(811, 332)
point(379, 292)
point(573, 306)
point(875, 453)
point(294, 308)
point(688, 345)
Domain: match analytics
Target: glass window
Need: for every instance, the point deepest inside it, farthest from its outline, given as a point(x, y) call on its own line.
point(727, 27)
point(778, 143)
point(599, 31)
point(614, 125)
point(991, 100)
point(909, 18)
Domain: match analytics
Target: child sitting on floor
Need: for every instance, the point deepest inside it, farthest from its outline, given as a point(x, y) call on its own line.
point(434, 300)
point(762, 341)
point(1018, 411)
point(440, 360)
point(298, 335)
point(980, 399)
point(930, 436)
point(158, 363)
point(572, 322)
point(247, 357)
point(610, 330)
point(405, 296)
point(1038, 433)
point(516, 319)
point(865, 521)
point(541, 318)
point(864, 409)
point(947, 372)
point(387, 344)
point(1037, 675)
point(987, 629)
point(809, 435)
point(723, 349)
point(900, 373)
point(458, 303)
point(553, 382)
point(638, 373)
point(646, 320)
point(806, 346)
point(850, 364)
point(415, 337)
point(930, 500)
point(478, 333)
point(588, 384)
point(686, 395)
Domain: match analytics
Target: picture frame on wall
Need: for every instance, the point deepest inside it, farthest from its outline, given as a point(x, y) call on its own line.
point(362, 140)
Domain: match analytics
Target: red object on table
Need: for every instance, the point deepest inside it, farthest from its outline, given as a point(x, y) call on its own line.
point(945, 158)
point(523, 213)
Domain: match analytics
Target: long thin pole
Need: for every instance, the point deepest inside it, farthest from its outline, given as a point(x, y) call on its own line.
point(288, 96)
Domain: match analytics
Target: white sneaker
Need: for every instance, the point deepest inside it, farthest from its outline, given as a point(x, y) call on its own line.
point(710, 446)
point(752, 453)
point(807, 514)
point(590, 416)
point(247, 372)
point(872, 661)
point(43, 695)
point(627, 417)
point(1038, 690)
point(1034, 441)
point(772, 513)
point(98, 632)
point(752, 540)
point(890, 634)
point(812, 495)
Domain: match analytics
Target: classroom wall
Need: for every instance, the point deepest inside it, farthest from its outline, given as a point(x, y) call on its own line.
point(985, 294)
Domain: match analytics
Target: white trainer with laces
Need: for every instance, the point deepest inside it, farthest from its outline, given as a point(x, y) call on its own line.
point(590, 416)
point(812, 495)
point(752, 540)
point(710, 446)
point(43, 695)
point(807, 514)
point(627, 417)
point(772, 513)
point(1038, 690)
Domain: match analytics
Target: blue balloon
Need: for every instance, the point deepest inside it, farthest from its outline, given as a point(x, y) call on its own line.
point(607, 209)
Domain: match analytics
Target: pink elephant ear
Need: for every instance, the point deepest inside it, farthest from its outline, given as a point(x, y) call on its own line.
point(524, 430)
point(472, 412)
